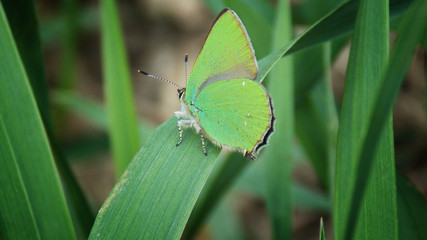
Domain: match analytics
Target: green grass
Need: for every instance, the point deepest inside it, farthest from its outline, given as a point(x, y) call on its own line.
point(169, 192)
point(118, 90)
point(368, 58)
point(172, 176)
point(278, 165)
point(27, 154)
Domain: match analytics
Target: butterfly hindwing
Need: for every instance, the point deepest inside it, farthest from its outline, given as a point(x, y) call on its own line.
point(226, 54)
point(241, 115)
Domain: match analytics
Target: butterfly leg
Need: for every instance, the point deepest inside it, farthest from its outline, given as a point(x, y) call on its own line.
point(182, 123)
point(180, 135)
point(203, 144)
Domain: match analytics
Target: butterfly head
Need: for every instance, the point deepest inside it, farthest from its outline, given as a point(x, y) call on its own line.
point(181, 93)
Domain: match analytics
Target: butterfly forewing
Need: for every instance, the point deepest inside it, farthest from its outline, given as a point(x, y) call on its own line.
point(226, 54)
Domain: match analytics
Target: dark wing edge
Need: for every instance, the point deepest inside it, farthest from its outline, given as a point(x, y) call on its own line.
point(263, 141)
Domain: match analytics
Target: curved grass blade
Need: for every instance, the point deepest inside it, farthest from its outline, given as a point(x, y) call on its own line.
point(154, 197)
point(278, 162)
point(25, 31)
point(70, 12)
point(16, 216)
point(252, 182)
point(316, 120)
point(384, 99)
point(322, 230)
point(412, 210)
point(337, 23)
point(308, 12)
point(313, 58)
point(26, 35)
point(118, 92)
point(70, 32)
point(368, 58)
point(29, 142)
point(93, 112)
point(225, 223)
point(223, 175)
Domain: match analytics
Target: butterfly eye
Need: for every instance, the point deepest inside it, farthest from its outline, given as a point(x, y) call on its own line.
point(181, 92)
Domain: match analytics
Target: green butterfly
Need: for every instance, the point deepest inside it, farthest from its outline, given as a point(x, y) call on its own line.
point(222, 101)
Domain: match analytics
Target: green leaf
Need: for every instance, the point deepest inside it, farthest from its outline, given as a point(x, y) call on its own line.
point(316, 120)
point(67, 70)
point(412, 210)
point(118, 92)
point(14, 202)
point(277, 162)
point(93, 112)
point(322, 230)
point(368, 58)
point(223, 175)
point(70, 31)
point(86, 147)
point(337, 23)
point(383, 101)
point(225, 222)
point(25, 33)
point(28, 144)
point(313, 58)
point(155, 195)
point(309, 11)
point(252, 182)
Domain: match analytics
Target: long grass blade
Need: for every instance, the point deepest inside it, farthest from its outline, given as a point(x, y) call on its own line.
point(93, 112)
point(225, 171)
point(368, 58)
point(316, 121)
point(383, 101)
point(25, 31)
point(29, 143)
point(67, 73)
point(154, 197)
point(412, 210)
point(277, 162)
point(225, 223)
point(118, 92)
point(16, 208)
point(335, 24)
point(27, 40)
point(322, 230)
point(252, 182)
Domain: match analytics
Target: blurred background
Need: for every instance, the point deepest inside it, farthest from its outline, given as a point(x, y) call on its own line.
point(157, 35)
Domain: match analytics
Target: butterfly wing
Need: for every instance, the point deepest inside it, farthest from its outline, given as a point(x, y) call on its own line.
point(226, 54)
point(240, 117)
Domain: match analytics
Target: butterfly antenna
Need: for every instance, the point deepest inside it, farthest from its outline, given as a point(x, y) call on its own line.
point(186, 61)
point(159, 78)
